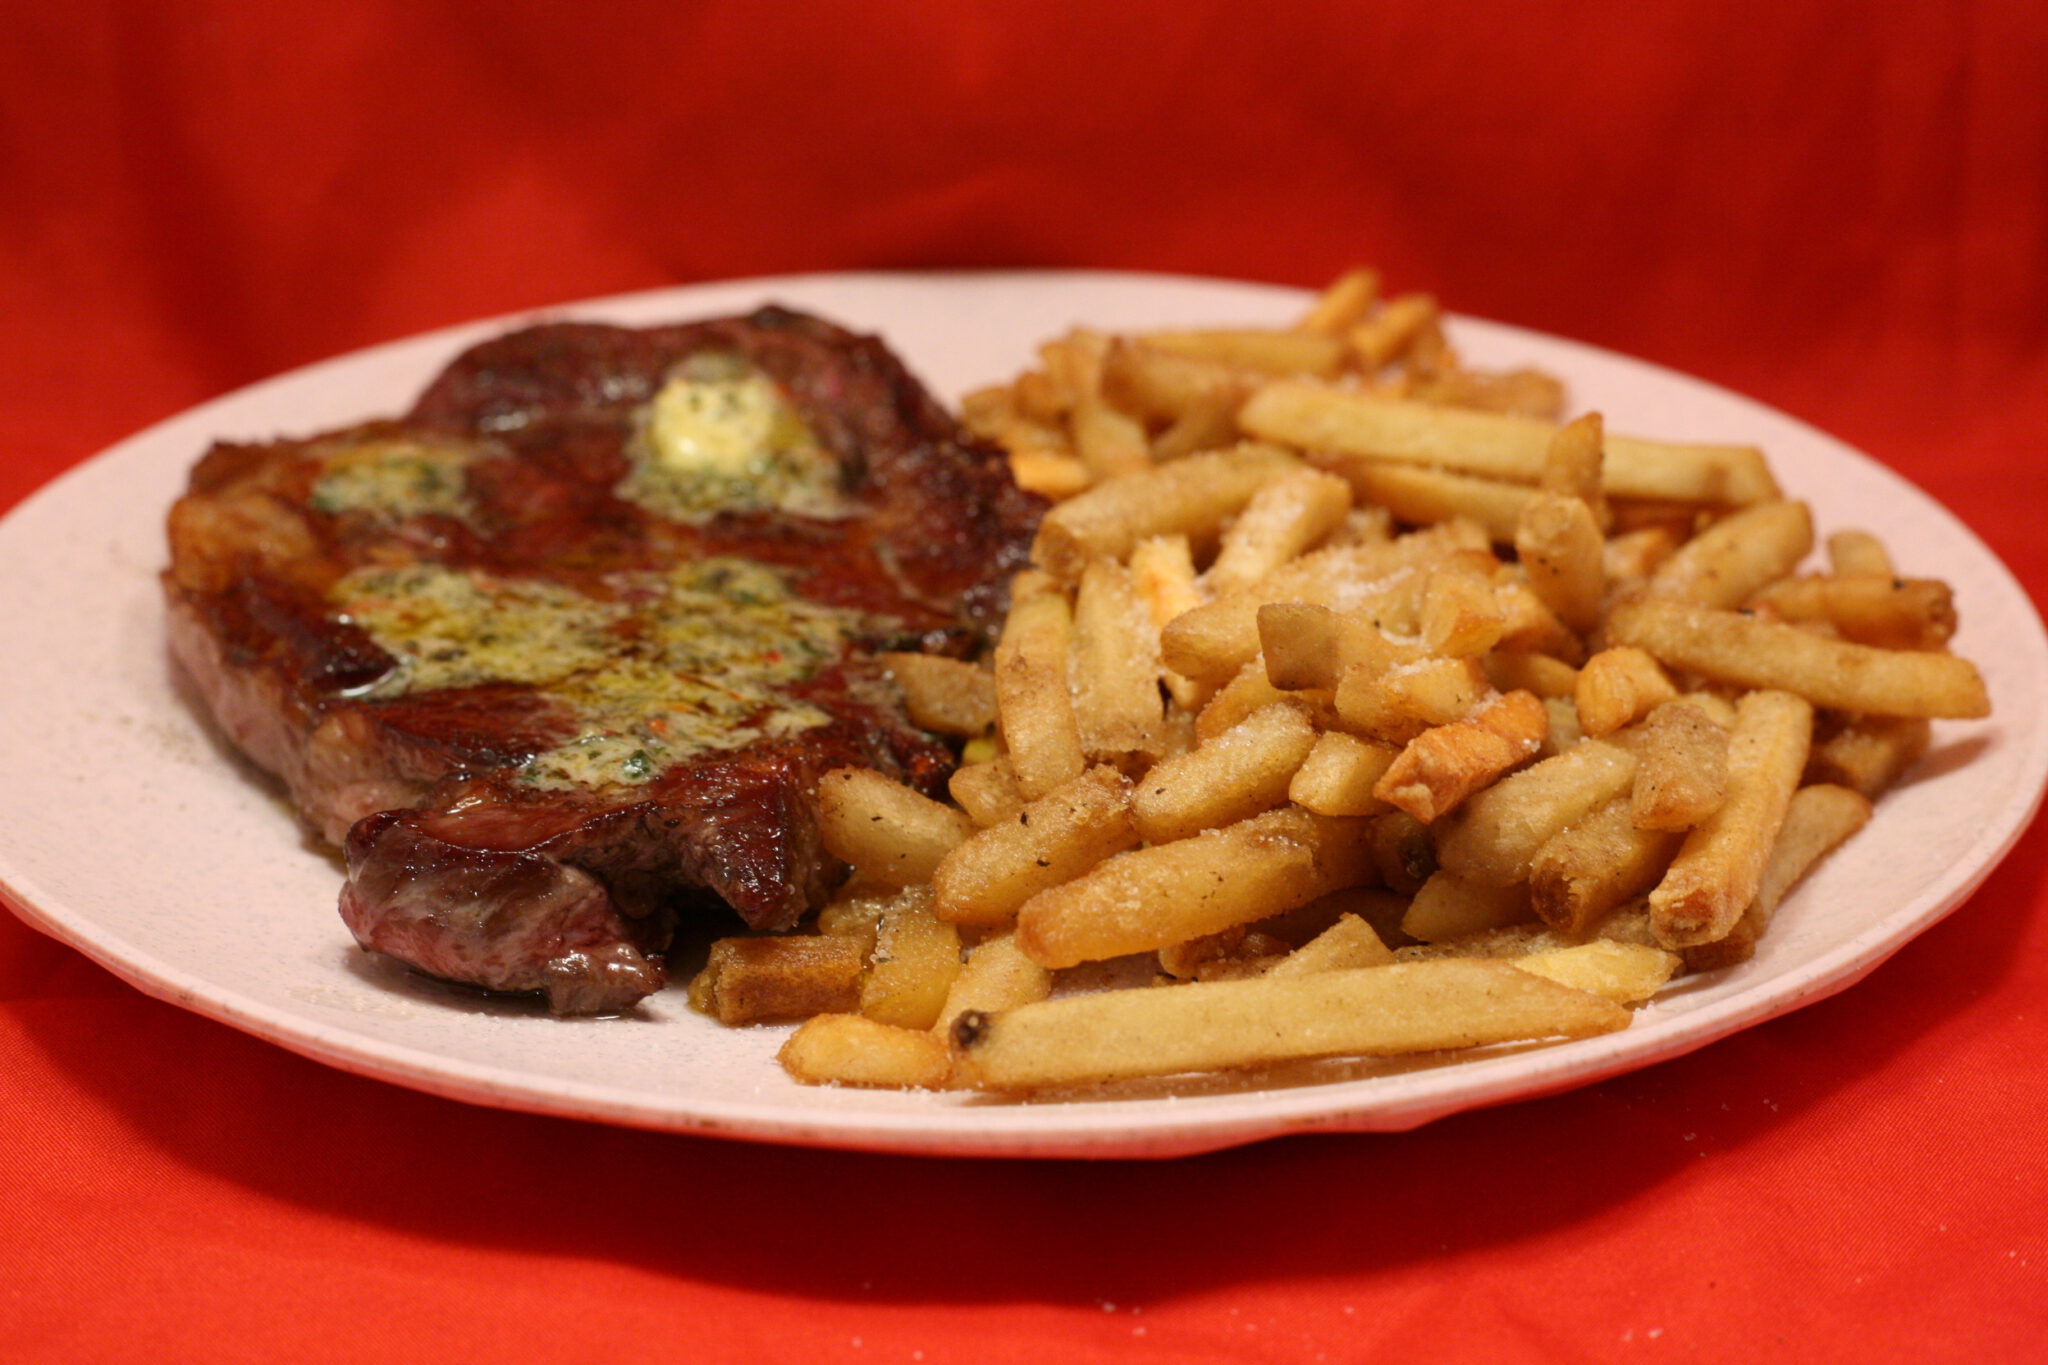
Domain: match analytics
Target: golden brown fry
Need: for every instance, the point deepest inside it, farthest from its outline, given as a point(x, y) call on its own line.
point(1816, 820)
point(1558, 542)
point(1310, 646)
point(1266, 351)
point(1381, 338)
point(1162, 387)
point(1520, 670)
point(894, 835)
point(1494, 835)
point(1871, 609)
point(1343, 304)
point(1191, 497)
point(1440, 768)
point(1250, 691)
point(1858, 552)
point(1034, 705)
point(987, 790)
point(1058, 836)
point(1350, 942)
point(1462, 614)
point(1313, 416)
point(1626, 973)
point(947, 695)
point(1717, 870)
point(1376, 1011)
point(1228, 777)
point(1869, 753)
point(1338, 776)
point(1594, 865)
point(1423, 496)
point(1397, 705)
point(1151, 897)
point(1049, 471)
point(1288, 515)
point(1213, 641)
point(1729, 647)
point(1619, 686)
point(1110, 443)
point(1115, 669)
point(847, 1049)
point(1681, 767)
point(1724, 564)
point(996, 976)
point(760, 980)
point(915, 958)
point(1449, 906)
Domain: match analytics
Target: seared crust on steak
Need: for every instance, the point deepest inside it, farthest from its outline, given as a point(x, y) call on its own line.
point(518, 810)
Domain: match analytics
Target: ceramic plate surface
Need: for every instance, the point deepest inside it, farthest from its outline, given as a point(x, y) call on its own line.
point(210, 896)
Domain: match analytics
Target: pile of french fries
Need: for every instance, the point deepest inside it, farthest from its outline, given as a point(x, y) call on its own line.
point(1358, 708)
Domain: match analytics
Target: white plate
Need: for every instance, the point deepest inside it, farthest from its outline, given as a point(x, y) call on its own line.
point(126, 831)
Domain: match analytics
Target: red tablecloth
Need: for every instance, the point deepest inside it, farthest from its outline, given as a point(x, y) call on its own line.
point(1841, 209)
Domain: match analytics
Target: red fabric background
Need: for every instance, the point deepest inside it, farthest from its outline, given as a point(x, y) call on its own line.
point(1839, 208)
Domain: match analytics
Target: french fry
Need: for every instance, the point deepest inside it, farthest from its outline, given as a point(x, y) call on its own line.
point(1270, 352)
point(1381, 337)
point(996, 976)
point(1858, 552)
point(1869, 753)
point(1871, 609)
point(1403, 850)
point(1594, 865)
point(987, 790)
point(1350, 942)
point(1162, 387)
point(1729, 647)
point(1226, 778)
point(1521, 670)
point(1369, 1011)
point(1724, 564)
point(1034, 706)
point(1285, 517)
point(1339, 773)
point(1440, 768)
point(1109, 442)
point(1056, 837)
point(1716, 873)
point(1448, 906)
point(1462, 613)
point(1213, 641)
point(947, 695)
point(1149, 898)
point(762, 980)
point(848, 1049)
point(1313, 416)
point(1398, 704)
point(1817, 819)
point(1423, 496)
point(1191, 497)
point(1619, 686)
point(1496, 833)
point(915, 958)
point(1252, 690)
point(1681, 767)
point(1343, 304)
point(892, 834)
point(1115, 669)
point(1626, 973)
point(1558, 542)
point(1051, 471)
point(1310, 646)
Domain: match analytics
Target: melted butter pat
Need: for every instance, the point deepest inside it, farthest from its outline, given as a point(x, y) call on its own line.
point(719, 436)
point(693, 661)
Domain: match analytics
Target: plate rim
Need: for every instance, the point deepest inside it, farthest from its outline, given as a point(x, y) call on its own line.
point(1029, 1130)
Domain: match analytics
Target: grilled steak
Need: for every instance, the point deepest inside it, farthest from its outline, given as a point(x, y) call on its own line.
point(559, 655)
